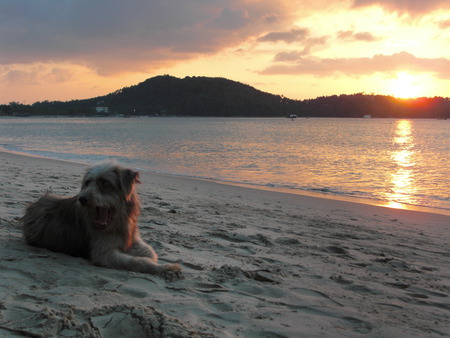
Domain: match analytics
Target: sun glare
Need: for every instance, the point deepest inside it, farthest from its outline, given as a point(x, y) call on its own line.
point(406, 86)
point(402, 179)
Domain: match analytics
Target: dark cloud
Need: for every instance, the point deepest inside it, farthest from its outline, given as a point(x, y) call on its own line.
point(270, 18)
point(413, 7)
point(116, 35)
point(230, 20)
point(363, 66)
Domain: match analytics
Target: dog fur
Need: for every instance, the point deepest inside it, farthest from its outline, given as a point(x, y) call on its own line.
point(99, 224)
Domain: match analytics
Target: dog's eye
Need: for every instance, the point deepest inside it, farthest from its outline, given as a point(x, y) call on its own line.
point(87, 182)
point(104, 184)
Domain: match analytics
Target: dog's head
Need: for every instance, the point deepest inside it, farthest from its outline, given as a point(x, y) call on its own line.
point(106, 189)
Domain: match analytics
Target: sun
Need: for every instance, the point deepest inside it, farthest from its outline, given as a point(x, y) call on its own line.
point(406, 86)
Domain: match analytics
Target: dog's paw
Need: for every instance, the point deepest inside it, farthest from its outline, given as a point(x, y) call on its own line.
point(171, 272)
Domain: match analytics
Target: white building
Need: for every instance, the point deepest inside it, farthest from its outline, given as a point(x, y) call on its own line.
point(102, 109)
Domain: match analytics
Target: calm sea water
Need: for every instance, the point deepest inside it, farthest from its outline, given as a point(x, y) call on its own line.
point(392, 162)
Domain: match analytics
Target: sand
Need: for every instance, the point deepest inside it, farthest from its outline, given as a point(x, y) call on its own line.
point(255, 264)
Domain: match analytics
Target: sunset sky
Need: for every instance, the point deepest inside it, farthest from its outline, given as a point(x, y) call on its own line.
point(74, 49)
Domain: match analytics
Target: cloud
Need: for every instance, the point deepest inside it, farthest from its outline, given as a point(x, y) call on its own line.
point(299, 36)
point(115, 35)
point(359, 36)
point(19, 77)
point(270, 18)
point(412, 7)
point(379, 63)
point(35, 75)
point(294, 35)
point(445, 24)
point(308, 46)
point(230, 19)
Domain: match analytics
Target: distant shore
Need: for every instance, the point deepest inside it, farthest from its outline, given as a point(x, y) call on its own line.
point(256, 264)
point(207, 96)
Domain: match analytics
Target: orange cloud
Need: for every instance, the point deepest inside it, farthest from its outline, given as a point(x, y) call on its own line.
point(294, 35)
point(412, 7)
point(358, 36)
point(363, 66)
point(444, 24)
point(34, 75)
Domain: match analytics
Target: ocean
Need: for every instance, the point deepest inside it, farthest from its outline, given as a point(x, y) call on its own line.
point(397, 163)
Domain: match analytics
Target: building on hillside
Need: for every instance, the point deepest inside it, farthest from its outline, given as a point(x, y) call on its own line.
point(102, 110)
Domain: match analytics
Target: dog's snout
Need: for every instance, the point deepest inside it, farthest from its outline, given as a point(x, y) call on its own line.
point(83, 200)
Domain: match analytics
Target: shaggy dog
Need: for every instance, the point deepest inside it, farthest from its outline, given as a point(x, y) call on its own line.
point(100, 223)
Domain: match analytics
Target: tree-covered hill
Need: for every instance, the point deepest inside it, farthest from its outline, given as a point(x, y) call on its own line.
point(205, 96)
point(195, 96)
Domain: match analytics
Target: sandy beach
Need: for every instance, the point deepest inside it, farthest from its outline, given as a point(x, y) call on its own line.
point(255, 264)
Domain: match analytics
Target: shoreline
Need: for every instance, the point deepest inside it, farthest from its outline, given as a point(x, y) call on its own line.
point(256, 263)
point(306, 193)
point(299, 192)
point(306, 201)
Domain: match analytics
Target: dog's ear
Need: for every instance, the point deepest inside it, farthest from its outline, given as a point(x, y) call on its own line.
point(128, 178)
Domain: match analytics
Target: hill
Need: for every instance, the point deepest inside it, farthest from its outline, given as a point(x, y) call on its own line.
point(168, 95)
point(195, 96)
point(205, 96)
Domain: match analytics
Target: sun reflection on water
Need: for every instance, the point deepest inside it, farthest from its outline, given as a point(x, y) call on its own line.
point(402, 179)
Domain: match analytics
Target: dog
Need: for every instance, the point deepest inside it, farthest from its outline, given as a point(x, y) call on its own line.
point(99, 224)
